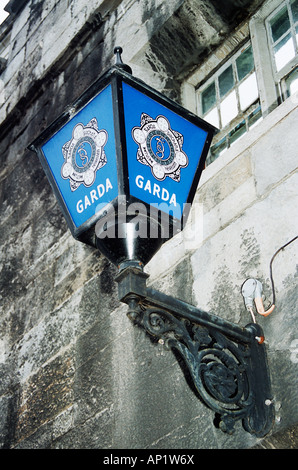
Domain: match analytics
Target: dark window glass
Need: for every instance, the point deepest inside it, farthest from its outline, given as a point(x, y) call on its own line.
point(226, 81)
point(294, 8)
point(208, 98)
point(245, 63)
point(280, 24)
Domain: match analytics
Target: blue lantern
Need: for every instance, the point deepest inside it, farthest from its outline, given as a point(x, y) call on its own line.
point(124, 162)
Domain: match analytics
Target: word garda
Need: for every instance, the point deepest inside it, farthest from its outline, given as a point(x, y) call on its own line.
point(156, 190)
point(94, 196)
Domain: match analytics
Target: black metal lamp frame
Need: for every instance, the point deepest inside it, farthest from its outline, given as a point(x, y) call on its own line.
point(115, 76)
point(227, 363)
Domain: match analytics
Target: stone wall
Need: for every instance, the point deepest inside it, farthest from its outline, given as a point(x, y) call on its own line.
point(74, 371)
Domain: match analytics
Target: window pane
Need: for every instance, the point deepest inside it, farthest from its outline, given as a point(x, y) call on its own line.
point(208, 98)
point(226, 81)
point(255, 117)
point(229, 108)
point(280, 24)
point(238, 132)
point(245, 63)
point(248, 91)
point(294, 7)
point(292, 82)
point(212, 117)
point(284, 52)
point(217, 150)
point(294, 87)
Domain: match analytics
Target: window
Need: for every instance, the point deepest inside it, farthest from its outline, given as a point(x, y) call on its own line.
point(230, 100)
point(283, 33)
point(282, 27)
point(231, 91)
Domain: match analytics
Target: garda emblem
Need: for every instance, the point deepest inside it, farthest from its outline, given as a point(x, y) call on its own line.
point(84, 154)
point(160, 147)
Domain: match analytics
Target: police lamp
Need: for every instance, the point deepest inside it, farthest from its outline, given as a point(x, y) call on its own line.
point(124, 162)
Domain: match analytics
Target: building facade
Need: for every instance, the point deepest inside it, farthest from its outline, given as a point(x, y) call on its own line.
point(74, 371)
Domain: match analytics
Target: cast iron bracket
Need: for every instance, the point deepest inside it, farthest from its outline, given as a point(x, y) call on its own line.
point(227, 363)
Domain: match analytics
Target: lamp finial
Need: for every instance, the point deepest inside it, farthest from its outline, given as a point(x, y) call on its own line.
point(119, 63)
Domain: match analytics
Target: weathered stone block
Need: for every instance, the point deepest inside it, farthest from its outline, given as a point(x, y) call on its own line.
point(45, 394)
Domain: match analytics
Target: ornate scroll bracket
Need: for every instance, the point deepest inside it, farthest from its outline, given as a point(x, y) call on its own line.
point(227, 364)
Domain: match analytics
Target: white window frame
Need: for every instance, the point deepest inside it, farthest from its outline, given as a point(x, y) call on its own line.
point(237, 83)
point(282, 74)
point(289, 66)
point(245, 118)
point(271, 83)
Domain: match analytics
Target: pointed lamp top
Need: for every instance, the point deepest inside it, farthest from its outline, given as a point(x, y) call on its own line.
point(119, 63)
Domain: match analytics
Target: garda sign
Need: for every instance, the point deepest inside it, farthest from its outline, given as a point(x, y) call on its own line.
point(164, 150)
point(81, 158)
point(121, 138)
